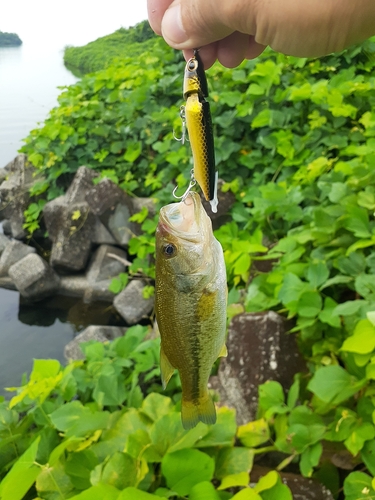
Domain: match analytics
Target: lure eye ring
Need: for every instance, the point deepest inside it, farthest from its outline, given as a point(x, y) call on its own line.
point(169, 250)
point(192, 65)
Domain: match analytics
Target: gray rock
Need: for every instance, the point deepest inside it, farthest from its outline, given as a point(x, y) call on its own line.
point(4, 240)
point(33, 277)
point(3, 174)
point(131, 305)
point(72, 245)
point(103, 266)
point(81, 185)
point(103, 334)
point(104, 196)
point(101, 235)
point(259, 349)
point(14, 193)
point(98, 291)
point(114, 208)
point(7, 228)
point(73, 286)
point(12, 253)
point(302, 488)
point(53, 214)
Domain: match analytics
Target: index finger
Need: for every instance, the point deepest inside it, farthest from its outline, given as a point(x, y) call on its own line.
point(156, 10)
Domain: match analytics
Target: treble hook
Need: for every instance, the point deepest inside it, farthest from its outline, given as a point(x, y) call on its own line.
point(183, 137)
point(192, 183)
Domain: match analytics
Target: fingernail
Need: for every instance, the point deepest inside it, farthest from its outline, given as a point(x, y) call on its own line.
point(171, 26)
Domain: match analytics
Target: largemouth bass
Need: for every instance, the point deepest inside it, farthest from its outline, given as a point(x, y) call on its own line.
point(199, 126)
point(191, 300)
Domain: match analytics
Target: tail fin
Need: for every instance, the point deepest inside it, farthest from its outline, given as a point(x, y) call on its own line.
point(202, 410)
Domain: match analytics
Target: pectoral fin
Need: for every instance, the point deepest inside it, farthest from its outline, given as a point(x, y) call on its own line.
point(166, 368)
point(224, 352)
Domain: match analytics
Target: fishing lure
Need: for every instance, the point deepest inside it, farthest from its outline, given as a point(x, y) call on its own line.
point(197, 114)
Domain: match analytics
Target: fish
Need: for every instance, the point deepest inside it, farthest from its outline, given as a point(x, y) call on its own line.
point(190, 304)
point(199, 126)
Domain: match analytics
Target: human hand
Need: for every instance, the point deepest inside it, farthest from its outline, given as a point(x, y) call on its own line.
point(233, 30)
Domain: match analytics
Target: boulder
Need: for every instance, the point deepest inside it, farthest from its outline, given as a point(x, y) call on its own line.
point(81, 185)
point(14, 193)
point(131, 304)
point(73, 286)
point(12, 253)
point(302, 488)
point(7, 228)
point(259, 349)
point(107, 262)
point(114, 207)
point(72, 242)
point(33, 277)
point(103, 334)
point(4, 240)
point(101, 235)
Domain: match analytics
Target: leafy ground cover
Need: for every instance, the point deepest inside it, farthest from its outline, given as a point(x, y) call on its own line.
point(295, 143)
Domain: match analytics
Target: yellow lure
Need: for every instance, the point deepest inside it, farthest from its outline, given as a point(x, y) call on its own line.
point(199, 126)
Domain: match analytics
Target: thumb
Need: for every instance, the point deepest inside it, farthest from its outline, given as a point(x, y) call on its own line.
point(191, 24)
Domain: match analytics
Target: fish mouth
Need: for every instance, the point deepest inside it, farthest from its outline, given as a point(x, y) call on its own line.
point(184, 219)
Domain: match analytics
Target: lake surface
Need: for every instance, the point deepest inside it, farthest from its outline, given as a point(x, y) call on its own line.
point(29, 77)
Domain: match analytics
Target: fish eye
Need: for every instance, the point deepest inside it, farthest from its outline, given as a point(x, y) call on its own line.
point(169, 250)
point(193, 65)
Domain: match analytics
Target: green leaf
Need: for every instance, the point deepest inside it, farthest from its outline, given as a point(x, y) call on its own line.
point(348, 308)
point(310, 459)
point(203, 491)
point(357, 486)
point(239, 479)
point(120, 471)
point(99, 492)
point(317, 274)
point(262, 119)
point(133, 150)
point(292, 289)
point(271, 398)
point(363, 339)
point(233, 461)
point(254, 433)
point(223, 432)
point(333, 384)
point(156, 406)
point(309, 304)
point(247, 494)
point(135, 494)
point(77, 420)
point(358, 222)
point(359, 436)
point(368, 455)
point(365, 286)
point(185, 468)
point(22, 475)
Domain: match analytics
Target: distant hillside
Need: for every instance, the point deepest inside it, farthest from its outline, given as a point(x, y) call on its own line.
point(104, 51)
point(9, 40)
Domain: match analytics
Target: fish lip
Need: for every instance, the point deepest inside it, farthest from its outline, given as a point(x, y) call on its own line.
point(166, 228)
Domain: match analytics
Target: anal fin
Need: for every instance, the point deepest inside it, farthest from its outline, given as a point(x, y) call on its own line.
point(166, 368)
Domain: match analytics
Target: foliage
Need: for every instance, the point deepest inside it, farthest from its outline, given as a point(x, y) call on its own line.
point(122, 44)
point(295, 143)
point(94, 430)
point(9, 39)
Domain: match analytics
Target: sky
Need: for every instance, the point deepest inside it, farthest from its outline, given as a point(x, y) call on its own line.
point(71, 22)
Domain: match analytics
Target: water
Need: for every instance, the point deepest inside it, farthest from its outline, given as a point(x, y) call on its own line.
point(29, 76)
